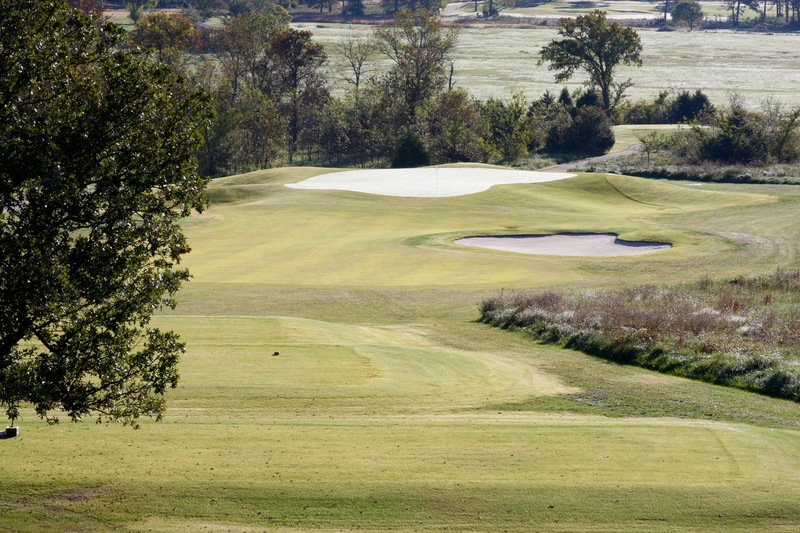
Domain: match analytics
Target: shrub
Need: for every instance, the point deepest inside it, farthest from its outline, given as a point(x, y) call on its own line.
point(506, 126)
point(410, 152)
point(687, 107)
point(741, 333)
point(589, 133)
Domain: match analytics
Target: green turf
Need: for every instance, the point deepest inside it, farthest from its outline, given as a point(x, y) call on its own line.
point(389, 408)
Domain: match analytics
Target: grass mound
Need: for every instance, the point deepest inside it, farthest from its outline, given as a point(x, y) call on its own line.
point(253, 186)
point(743, 333)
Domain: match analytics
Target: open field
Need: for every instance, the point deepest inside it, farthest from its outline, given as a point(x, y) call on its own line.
point(616, 9)
point(494, 61)
point(390, 408)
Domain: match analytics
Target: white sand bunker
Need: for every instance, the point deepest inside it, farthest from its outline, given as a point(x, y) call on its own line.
point(426, 182)
point(577, 244)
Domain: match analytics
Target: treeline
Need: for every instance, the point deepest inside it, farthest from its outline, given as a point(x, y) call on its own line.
point(203, 10)
point(274, 104)
point(735, 135)
point(729, 143)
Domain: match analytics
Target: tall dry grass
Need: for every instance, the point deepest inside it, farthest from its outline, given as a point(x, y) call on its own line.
point(743, 332)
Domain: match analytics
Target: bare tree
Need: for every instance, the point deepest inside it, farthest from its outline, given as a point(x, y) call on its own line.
point(419, 45)
point(357, 50)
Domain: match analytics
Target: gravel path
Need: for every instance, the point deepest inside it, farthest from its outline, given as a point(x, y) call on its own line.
point(567, 167)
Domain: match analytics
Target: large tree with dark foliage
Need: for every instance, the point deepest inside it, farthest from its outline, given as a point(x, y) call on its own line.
point(293, 77)
point(97, 168)
point(592, 44)
point(93, 7)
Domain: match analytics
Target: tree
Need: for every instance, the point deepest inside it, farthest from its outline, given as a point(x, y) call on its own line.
point(490, 9)
point(170, 36)
point(688, 12)
point(734, 136)
point(665, 6)
point(137, 7)
point(244, 41)
point(293, 76)
point(419, 46)
point(356, 51)
point(507, 126)
point(410, 152)
point(98, 168)
point(202, 10)
point(589, 132)
point(321, 4)
point(393, 7)
point(737, 7)
point(738, 136)
point(369, 124)
point(239, 7)
point(92, 7)
point(452, 127)
point(687, 107)
point(352, 8)
point(592, 44)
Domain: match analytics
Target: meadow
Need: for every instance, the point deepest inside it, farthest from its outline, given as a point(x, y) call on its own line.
point(390, 407)
point(492, 62)
point(616, 9)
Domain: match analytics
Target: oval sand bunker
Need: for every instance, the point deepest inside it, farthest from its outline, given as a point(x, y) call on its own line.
point(574, 244)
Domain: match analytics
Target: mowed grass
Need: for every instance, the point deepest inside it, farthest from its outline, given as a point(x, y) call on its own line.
point(491, 62)
point(327, 239)
point(389, 408)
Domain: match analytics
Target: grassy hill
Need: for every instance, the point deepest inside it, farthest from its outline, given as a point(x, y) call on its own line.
point(390, 408)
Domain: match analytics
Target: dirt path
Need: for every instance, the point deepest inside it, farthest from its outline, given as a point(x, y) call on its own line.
point(567, 167)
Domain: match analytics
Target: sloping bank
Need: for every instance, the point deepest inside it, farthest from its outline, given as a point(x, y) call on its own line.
point(742, 333)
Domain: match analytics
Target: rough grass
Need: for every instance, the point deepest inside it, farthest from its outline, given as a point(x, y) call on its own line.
point(742, 333)
point(662, 165)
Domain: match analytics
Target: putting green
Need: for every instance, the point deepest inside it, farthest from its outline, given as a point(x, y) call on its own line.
point(259, 231)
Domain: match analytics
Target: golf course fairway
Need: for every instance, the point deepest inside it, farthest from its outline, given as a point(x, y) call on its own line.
point(336, 377)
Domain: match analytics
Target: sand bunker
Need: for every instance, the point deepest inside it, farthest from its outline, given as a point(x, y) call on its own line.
point(427, 182)
point(577, 245)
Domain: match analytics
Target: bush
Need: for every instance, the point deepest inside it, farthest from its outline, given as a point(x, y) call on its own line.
point(507, 126)
point(590, 132)
point(687, 107)
point(410, 152)
point(735, 138)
